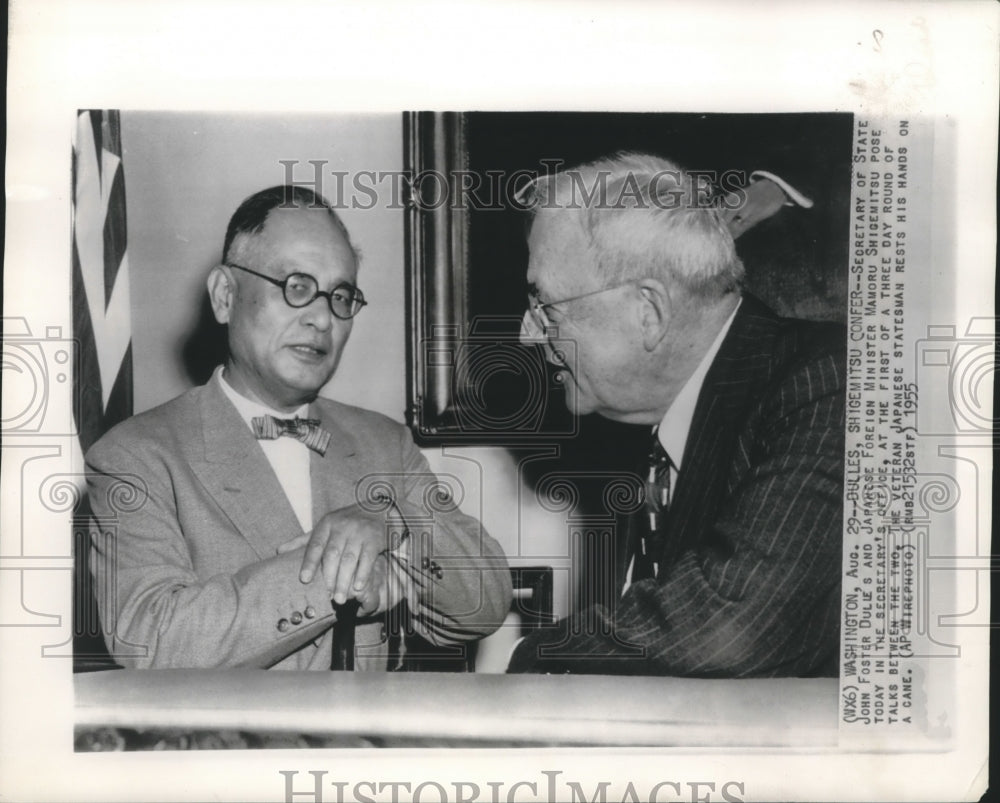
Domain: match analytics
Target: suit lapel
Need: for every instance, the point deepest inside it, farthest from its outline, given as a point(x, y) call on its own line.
point(333, 476)
point(239, 477)
point(726, 395)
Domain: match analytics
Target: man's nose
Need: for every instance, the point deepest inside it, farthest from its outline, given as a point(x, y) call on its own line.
point(318, 314)
point(531, 332)
point(533, 335)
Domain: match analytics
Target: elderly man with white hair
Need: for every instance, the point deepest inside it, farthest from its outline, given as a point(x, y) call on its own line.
point(732, 566)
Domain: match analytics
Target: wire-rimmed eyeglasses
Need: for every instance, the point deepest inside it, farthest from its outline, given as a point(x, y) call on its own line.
point(301, 289)
point(540, 316)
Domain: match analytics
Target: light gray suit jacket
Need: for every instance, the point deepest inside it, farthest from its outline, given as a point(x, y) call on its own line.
point(189, 514)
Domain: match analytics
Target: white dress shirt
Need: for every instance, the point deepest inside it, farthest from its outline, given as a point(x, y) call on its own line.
point(288, 457)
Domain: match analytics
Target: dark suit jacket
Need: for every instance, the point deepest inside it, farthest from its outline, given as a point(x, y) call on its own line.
point(749, 579)
point(190, 513)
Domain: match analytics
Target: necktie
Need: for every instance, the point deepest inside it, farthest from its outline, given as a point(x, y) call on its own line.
point(305, 430)
point(650, 530)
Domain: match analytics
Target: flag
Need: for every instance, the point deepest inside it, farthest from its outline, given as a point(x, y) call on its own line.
point(102, 329)
point(101, 313)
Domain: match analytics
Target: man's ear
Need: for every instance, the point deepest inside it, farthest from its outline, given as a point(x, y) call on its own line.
point(221, 292)
point(655, 312)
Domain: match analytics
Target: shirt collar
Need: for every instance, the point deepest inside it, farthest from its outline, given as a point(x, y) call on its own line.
point(248, 408)
point(673, 429)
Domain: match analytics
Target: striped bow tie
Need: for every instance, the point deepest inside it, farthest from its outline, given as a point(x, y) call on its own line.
point(305, 430)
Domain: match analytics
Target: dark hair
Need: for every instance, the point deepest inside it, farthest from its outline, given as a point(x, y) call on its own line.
point(251, 215)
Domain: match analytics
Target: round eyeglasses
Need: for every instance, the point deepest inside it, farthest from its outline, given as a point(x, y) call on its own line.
point(301, 289)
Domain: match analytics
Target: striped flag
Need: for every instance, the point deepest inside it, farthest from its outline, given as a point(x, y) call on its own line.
point(102, 328)
point(101, 313)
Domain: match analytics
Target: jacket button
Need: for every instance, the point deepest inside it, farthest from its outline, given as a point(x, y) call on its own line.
point(310, 612)
point(296, 618)
point(283, 625)
point(425, 563)
point(438, 573)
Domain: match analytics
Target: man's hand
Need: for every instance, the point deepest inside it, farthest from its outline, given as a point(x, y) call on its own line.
point(346, 545)
point(374, 597)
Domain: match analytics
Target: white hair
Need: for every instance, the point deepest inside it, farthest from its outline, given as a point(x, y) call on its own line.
point(646, 217)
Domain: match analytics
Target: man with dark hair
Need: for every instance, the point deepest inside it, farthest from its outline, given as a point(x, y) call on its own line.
point(731, 567)
point(254, 504)
point(251, 215)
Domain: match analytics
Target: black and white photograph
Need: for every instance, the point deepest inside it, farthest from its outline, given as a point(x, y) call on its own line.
point(467, 447)
point(199, 540)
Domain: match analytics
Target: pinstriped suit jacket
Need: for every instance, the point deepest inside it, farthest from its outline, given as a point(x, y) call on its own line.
point(749, 579)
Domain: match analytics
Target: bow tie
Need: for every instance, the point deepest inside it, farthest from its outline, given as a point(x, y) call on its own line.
point(305, 430)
